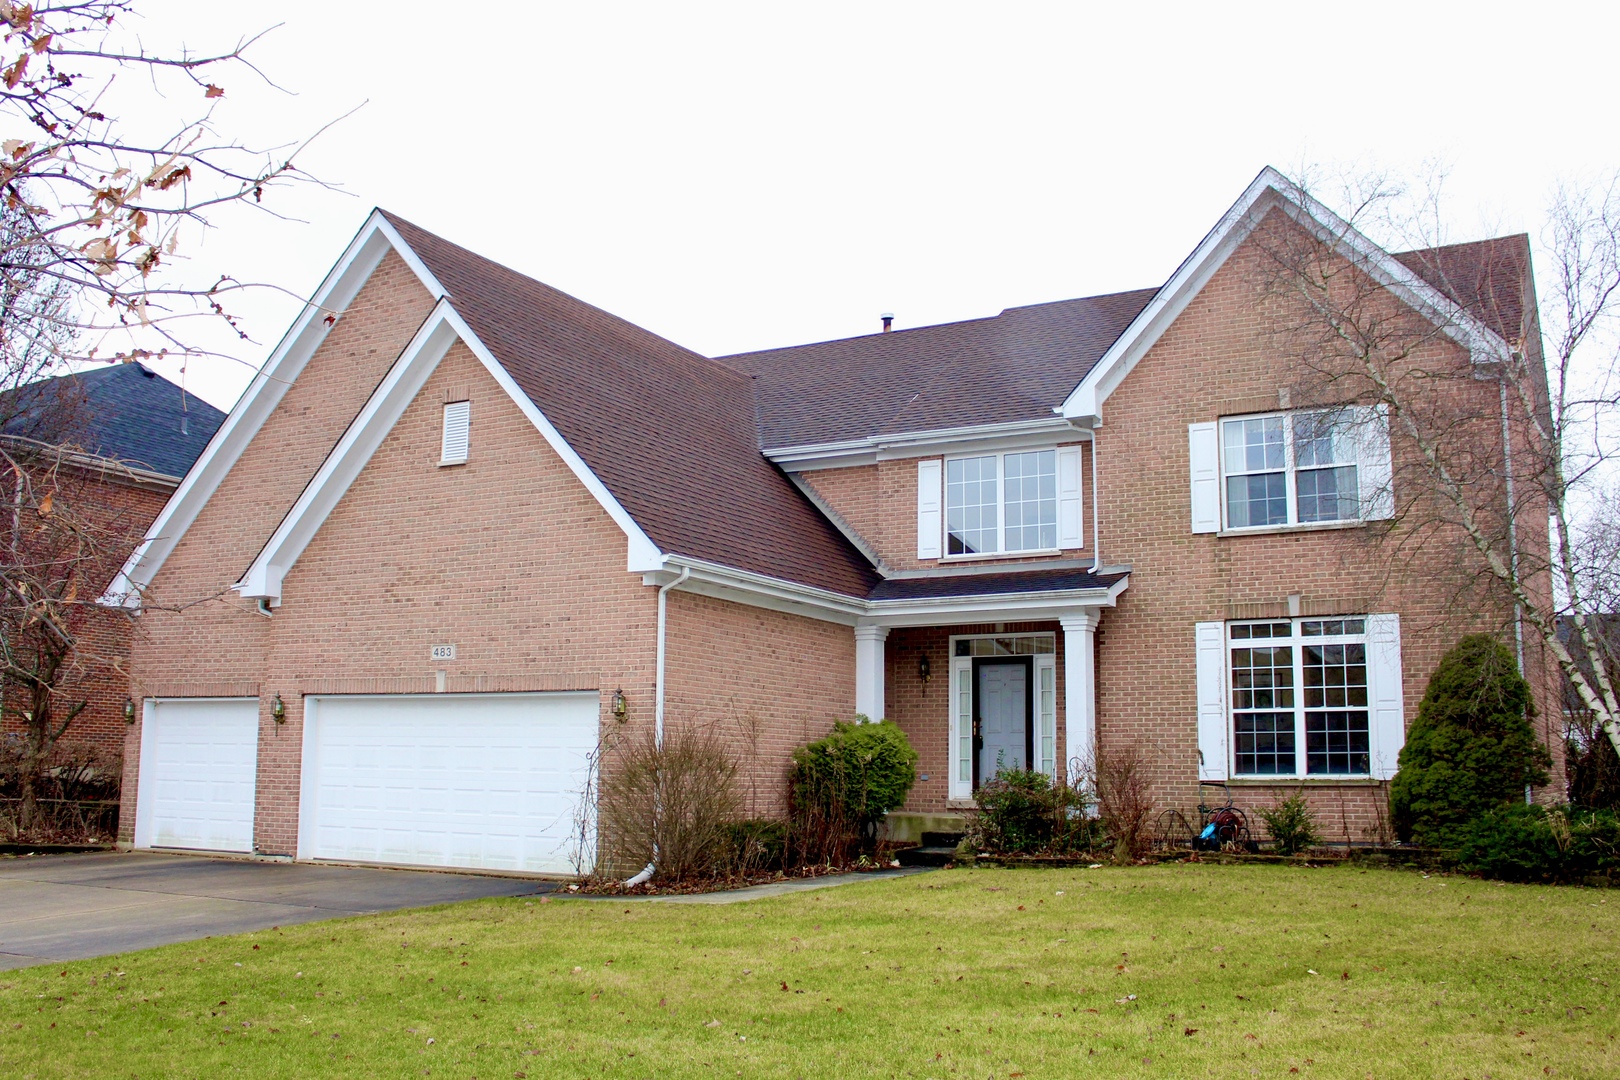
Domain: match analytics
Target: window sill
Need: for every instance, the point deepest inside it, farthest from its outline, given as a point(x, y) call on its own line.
point(1310, 526)
point(1305, 781)
point(1042, 553)
point(446, 464)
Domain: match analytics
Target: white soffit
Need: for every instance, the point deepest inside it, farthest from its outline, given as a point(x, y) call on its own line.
point(442, 329)
point(1270, 190)
point(342, 283)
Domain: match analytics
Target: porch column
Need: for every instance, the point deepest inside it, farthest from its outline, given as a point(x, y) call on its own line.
point(869, 670)
point(1079, 691)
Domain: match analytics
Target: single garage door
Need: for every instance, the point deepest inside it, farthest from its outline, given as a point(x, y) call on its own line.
point(485, 781)
point(198, 761)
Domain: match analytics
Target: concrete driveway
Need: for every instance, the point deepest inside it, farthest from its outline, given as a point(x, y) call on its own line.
point(73, 907)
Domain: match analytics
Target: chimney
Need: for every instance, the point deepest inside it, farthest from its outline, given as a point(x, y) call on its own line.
point(888, 321)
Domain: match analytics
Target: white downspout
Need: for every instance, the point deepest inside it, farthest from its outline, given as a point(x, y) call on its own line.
point(658, 707)
point(1096, 522)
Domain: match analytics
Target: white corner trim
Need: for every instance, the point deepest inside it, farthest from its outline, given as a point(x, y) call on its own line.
point(1267, 191)
point(443, 327)
point(811, 456)
point(339, 288)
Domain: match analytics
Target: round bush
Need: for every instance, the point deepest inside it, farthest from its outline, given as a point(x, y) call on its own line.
point(1471, 748)
point(843, 784)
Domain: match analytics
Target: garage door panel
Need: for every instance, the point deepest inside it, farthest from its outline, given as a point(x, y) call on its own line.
point(471, 780)
point(198, 760)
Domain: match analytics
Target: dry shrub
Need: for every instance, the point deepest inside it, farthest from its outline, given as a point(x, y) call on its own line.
point(77, 792)
point(675, 805)
point(1122, 797)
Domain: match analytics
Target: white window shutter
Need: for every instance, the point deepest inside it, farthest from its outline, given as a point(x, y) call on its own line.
point(1203, 448)
point(457, 428)
point(1212, 724)
point(1070, 520)
point(1386, 696)
point(1374, 470)
point(930, 520)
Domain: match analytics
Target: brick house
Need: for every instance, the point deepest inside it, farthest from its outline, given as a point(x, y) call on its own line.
point(127, 436)
point(463, 528)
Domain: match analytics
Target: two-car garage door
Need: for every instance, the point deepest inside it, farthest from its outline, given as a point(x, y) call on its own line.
point(489, 781)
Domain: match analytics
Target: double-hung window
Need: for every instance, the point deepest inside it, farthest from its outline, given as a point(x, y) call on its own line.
point(1001, 503)
point(1299, 697)
point(1292, 468)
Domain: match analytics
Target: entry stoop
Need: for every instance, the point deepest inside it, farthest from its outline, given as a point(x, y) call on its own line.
point(938, 849)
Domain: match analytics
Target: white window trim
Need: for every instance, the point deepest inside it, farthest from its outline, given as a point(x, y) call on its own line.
point(1298, 709)
point(1002, 552)
point(1290, 479)
point(962, 667)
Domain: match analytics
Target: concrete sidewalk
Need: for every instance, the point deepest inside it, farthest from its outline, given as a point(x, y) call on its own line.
point(774, 888)
point(73, 907)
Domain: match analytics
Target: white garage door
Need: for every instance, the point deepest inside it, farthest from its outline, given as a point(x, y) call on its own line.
point(198, 760)
point(488, 781)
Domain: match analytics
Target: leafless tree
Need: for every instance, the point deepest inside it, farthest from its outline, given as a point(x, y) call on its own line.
point(1497, 432)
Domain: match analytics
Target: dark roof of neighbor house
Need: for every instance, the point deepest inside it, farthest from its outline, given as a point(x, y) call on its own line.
point(1489, 278)
point(669, 432)
point(125, 412)
point(990, 584)
point(1014, 366)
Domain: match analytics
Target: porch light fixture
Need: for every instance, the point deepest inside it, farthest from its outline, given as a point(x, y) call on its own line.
point(925, 670)
point(278, 711)
point(620, 707)
point(129, 710)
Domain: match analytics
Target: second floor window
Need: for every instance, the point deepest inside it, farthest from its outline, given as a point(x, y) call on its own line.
point(1001, 503)
point(1291, 468)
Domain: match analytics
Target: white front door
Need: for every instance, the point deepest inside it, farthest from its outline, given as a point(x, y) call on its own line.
point(1003, 704)
point(199, 757)
point(485, 781)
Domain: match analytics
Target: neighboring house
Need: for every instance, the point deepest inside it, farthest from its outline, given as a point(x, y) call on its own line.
point(465, 528)
point(128, 435)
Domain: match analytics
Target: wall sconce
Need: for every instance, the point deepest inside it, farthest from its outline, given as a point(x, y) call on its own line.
point(129, 710)
point(278, 710)
point(925, 670)
point(620, 706)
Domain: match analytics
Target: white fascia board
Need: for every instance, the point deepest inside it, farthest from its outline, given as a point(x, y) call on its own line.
point(1268, 190)
point(1006, 607)
point(339, 288)
point(758, 590)
point(443, 327)
point(834, 455)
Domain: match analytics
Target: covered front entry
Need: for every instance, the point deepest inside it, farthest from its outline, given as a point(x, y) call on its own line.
point(478, 781)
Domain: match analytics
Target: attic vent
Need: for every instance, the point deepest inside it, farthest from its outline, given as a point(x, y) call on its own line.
point(457, 426)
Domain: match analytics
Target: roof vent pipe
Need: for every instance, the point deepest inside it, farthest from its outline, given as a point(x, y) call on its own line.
point(888, 321)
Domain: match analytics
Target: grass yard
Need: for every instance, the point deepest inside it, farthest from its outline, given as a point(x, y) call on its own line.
point(1165, 971)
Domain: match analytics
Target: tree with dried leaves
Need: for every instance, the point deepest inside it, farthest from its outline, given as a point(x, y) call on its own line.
point(111, 167)
point(1504, 423)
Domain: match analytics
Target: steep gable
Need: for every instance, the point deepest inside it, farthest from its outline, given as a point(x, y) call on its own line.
point(670, 433)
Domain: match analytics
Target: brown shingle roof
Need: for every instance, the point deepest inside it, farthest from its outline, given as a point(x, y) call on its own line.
point(1487, 277)
point(670, 433)
point(1018, 365)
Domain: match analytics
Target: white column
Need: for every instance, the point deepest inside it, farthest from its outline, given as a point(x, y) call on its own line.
point(1079, 689)
point(869, 670)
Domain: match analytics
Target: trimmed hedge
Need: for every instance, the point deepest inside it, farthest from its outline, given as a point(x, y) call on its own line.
point(842, 785)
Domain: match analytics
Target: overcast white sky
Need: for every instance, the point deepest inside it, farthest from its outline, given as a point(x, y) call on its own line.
point(742, 176)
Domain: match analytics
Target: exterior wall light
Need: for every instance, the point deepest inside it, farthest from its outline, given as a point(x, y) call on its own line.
point(278, 710)
point(620, 706)
point(925, 670)
point(129, 710)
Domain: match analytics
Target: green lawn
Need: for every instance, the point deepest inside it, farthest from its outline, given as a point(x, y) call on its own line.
point(1165, 971)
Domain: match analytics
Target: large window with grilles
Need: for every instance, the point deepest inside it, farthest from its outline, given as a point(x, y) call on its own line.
point(1299, 697)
